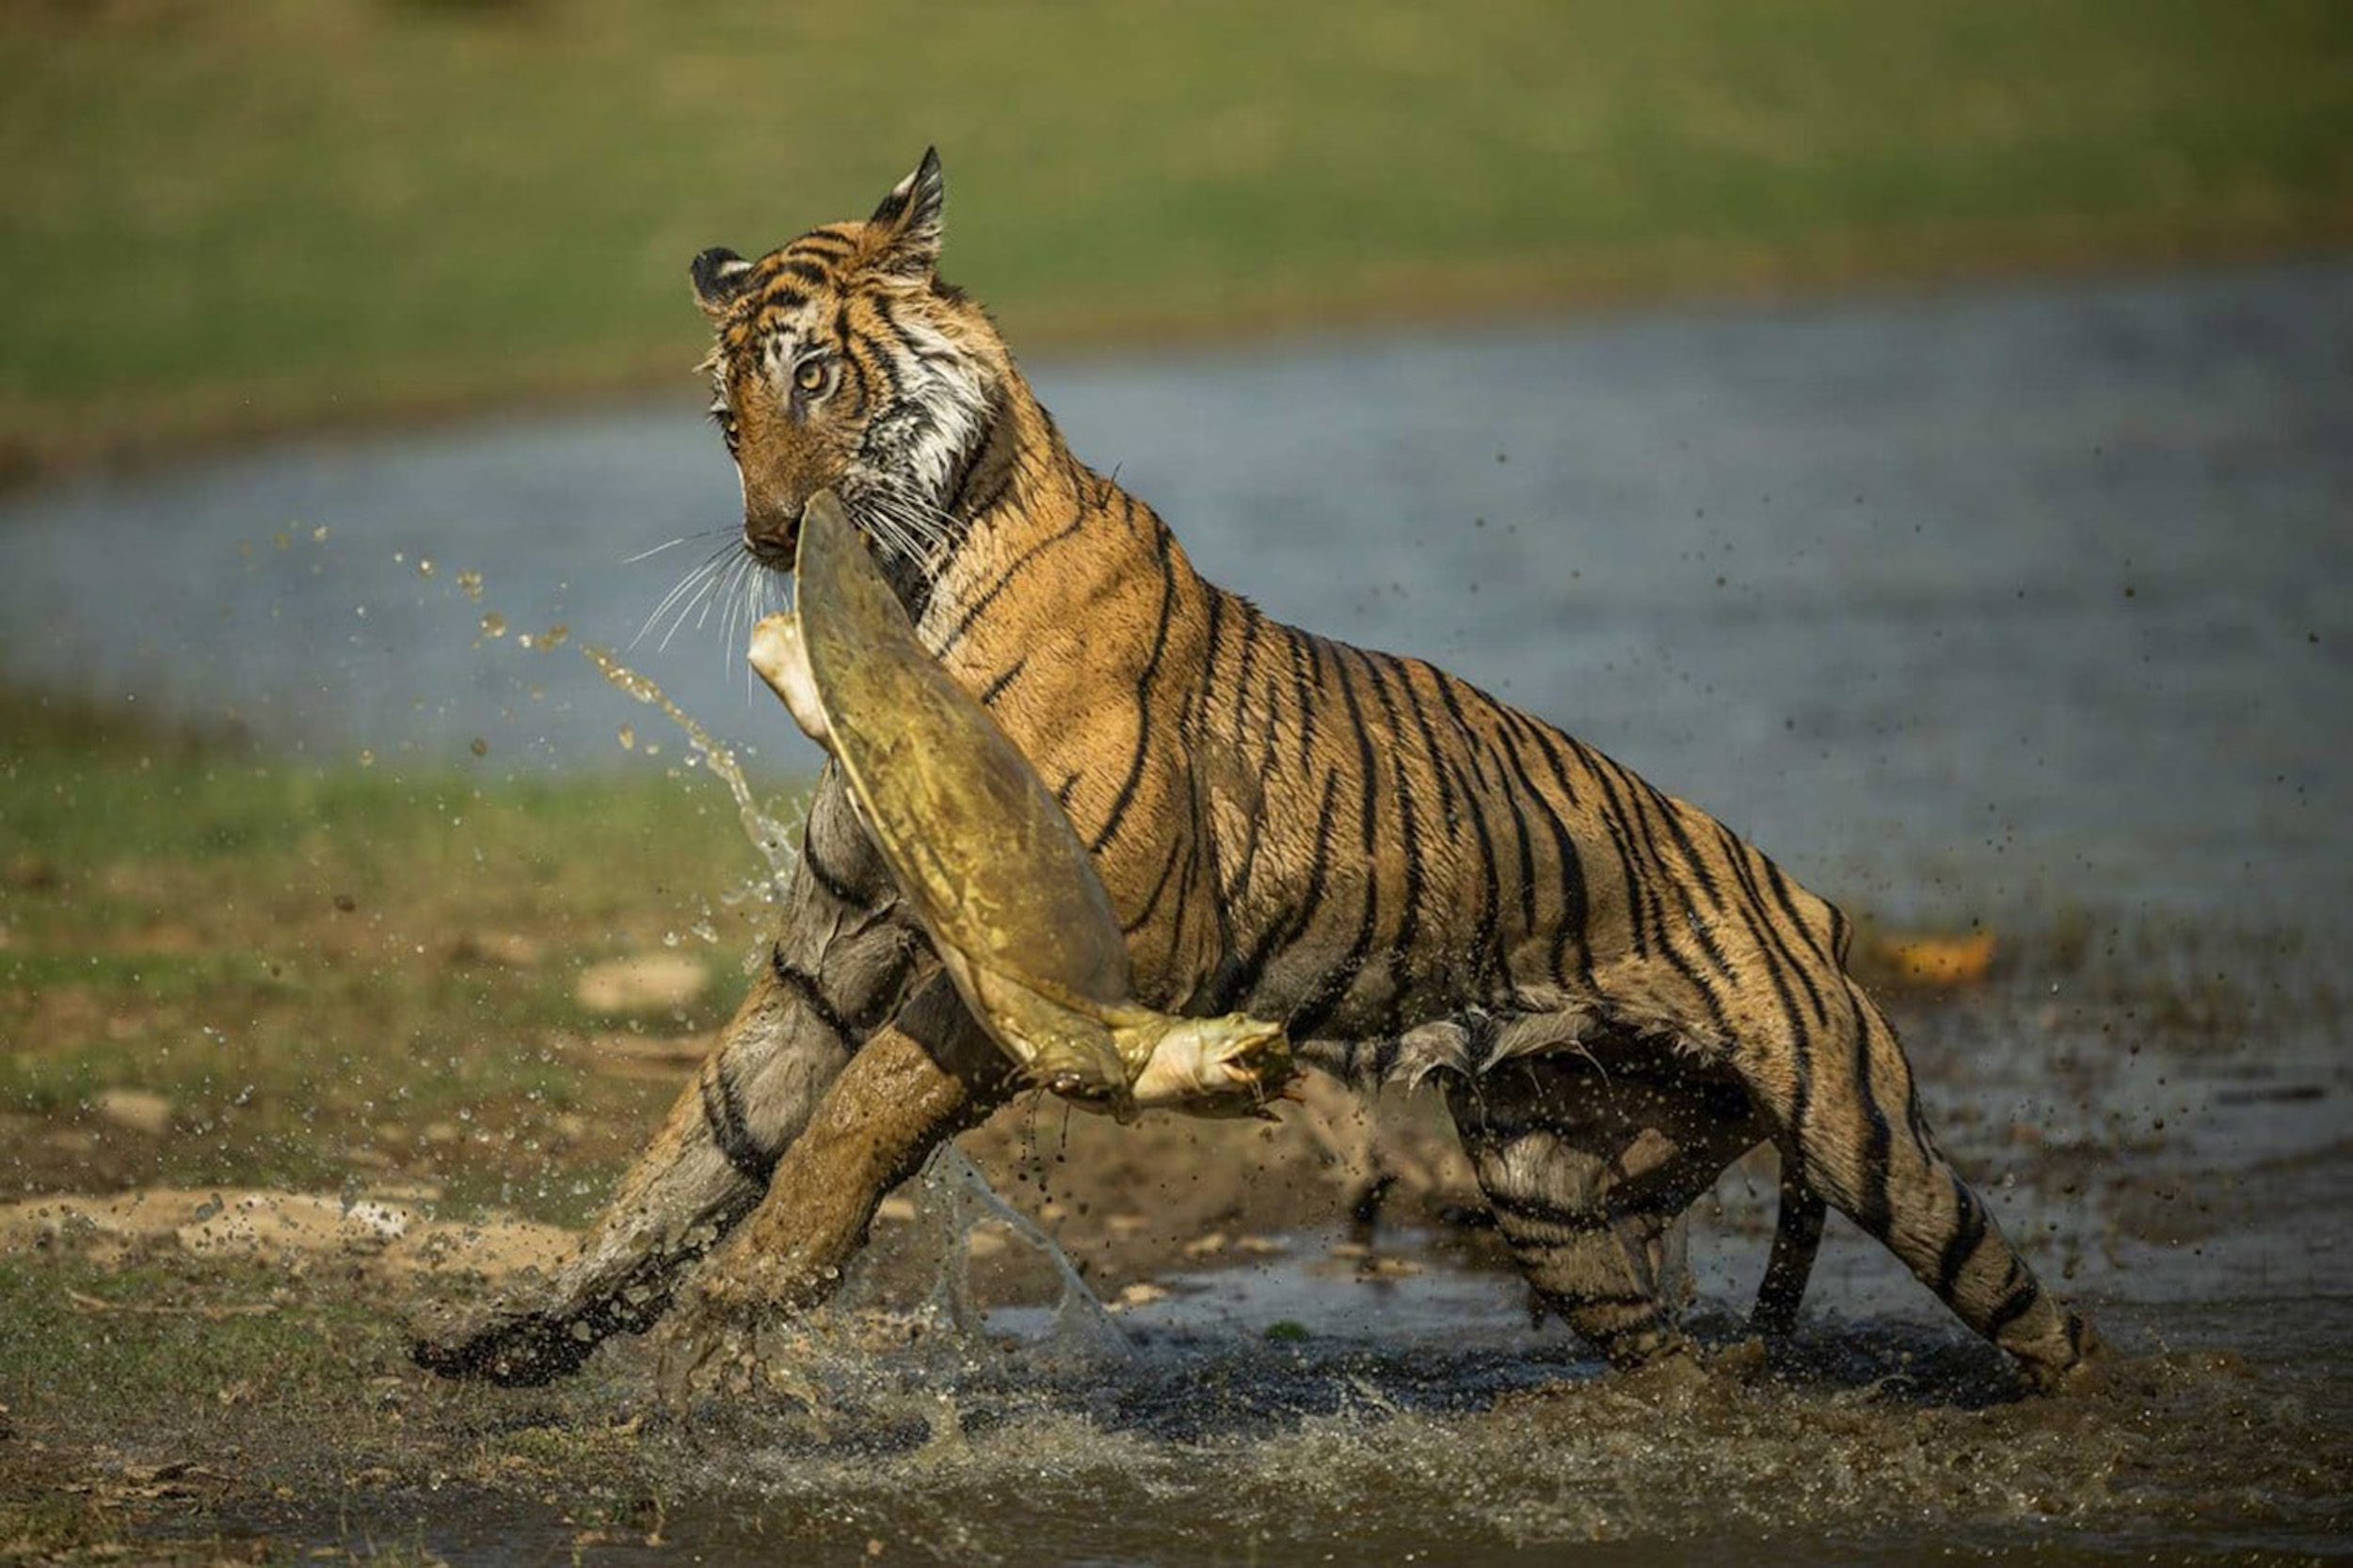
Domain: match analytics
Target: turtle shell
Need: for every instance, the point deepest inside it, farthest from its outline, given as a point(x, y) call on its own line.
point(970, 831)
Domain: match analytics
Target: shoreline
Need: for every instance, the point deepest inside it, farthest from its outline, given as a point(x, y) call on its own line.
point(1826, 269)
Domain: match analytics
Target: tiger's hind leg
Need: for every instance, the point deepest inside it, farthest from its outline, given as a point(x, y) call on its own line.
point(1587, 1169)
point(1845, 1098)
point(1797, 1237)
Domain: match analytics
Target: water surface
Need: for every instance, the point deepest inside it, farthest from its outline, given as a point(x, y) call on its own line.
point(1948, 602)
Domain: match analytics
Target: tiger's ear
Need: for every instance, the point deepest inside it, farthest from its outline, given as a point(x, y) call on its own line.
point(904, 233)
point(719, 275)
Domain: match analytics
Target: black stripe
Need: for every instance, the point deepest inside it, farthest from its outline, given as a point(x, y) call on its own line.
point(1299, 688)
point(996, 688)
point(1127, 795)
point(1709, 996)
point(1768, 936)
point(1470, 763)
point(1575, 920)
point(781, 296)
point(1793, 1021)
point(1334, 985)
point(1702, 931)
point(863, 348)
point(1486, 951)
point(1777, 884)
point(1625, 791)
point(1638, 893)
point(1168, 869)
point(1176, 916)
point(722, 1112)
point(1429, 740)
point(1246, 864)
point(2018, 1298)
point(1673, 817)
point(1841, 934)
point(836, 887)
point(1212, 645)
point(803, 985)
point(1409, 826)
point(1569, 873)
point(1236, 980)
point(980, 603)
point(808, 272)
point(822, 242)
point(1880, 1143)
point(1960, 1247)
point(1241, 676)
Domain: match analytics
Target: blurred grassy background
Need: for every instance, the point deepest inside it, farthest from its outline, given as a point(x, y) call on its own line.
point(219, 219)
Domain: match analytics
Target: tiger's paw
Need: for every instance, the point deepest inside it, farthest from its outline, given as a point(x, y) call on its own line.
point(722, 1340)
point(514, 1350)
point(2091, 1364)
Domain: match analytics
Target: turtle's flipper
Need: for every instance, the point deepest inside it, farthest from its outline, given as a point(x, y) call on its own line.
point(1057, 1045)
point(781, 660)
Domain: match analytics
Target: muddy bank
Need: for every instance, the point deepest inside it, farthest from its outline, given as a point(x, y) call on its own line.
point(2159, 1120)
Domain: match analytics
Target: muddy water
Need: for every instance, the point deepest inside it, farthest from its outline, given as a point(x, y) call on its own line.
point(2024, 606)
point(2168, 1135)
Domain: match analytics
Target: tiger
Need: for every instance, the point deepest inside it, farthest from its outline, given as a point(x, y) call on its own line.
point(1616, 994)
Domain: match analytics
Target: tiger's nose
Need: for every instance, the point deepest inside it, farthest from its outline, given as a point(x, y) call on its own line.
point(771, 532)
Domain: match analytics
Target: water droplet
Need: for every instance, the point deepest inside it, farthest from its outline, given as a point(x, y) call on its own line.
point(471, 583)
point(367, 757)
point(480, 747)
point(424, 565)
point(493, 624)
point(627, 737)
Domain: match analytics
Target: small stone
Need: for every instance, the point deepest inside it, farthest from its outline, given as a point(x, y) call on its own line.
point(657, 983)
point(138, 1110)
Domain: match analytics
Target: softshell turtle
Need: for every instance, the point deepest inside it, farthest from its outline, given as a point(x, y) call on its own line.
point(984, 852)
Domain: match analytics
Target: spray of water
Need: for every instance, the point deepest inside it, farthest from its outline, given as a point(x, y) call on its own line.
point(772, 837)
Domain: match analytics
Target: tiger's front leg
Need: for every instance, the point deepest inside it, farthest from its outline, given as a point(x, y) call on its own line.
point(840, 966)
point(926, 1077)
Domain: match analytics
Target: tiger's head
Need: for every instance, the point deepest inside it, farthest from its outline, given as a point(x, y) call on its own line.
point(842, 362)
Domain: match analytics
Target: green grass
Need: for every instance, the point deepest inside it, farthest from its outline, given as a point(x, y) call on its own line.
point(334, 976)
point(215, 219)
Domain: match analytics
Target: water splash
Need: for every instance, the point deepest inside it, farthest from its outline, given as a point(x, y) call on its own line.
point(955, 1199)
point(772, 837)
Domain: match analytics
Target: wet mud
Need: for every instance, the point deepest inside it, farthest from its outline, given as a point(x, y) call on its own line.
point(1243, 1374)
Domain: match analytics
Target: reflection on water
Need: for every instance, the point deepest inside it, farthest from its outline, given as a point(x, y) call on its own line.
point(1952, 604)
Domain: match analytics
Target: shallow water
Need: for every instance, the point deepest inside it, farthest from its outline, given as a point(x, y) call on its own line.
point(1952, 604)
point(2017, 604)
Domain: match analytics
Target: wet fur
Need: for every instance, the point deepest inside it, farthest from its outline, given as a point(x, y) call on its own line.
point(1618, 995)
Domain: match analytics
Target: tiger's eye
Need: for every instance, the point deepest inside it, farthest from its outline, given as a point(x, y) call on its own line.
point(811, 376)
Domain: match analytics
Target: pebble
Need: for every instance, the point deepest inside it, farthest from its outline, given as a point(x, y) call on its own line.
point(138, 1110)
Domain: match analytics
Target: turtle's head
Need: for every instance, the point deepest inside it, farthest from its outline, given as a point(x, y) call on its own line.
point(1234, 1065)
